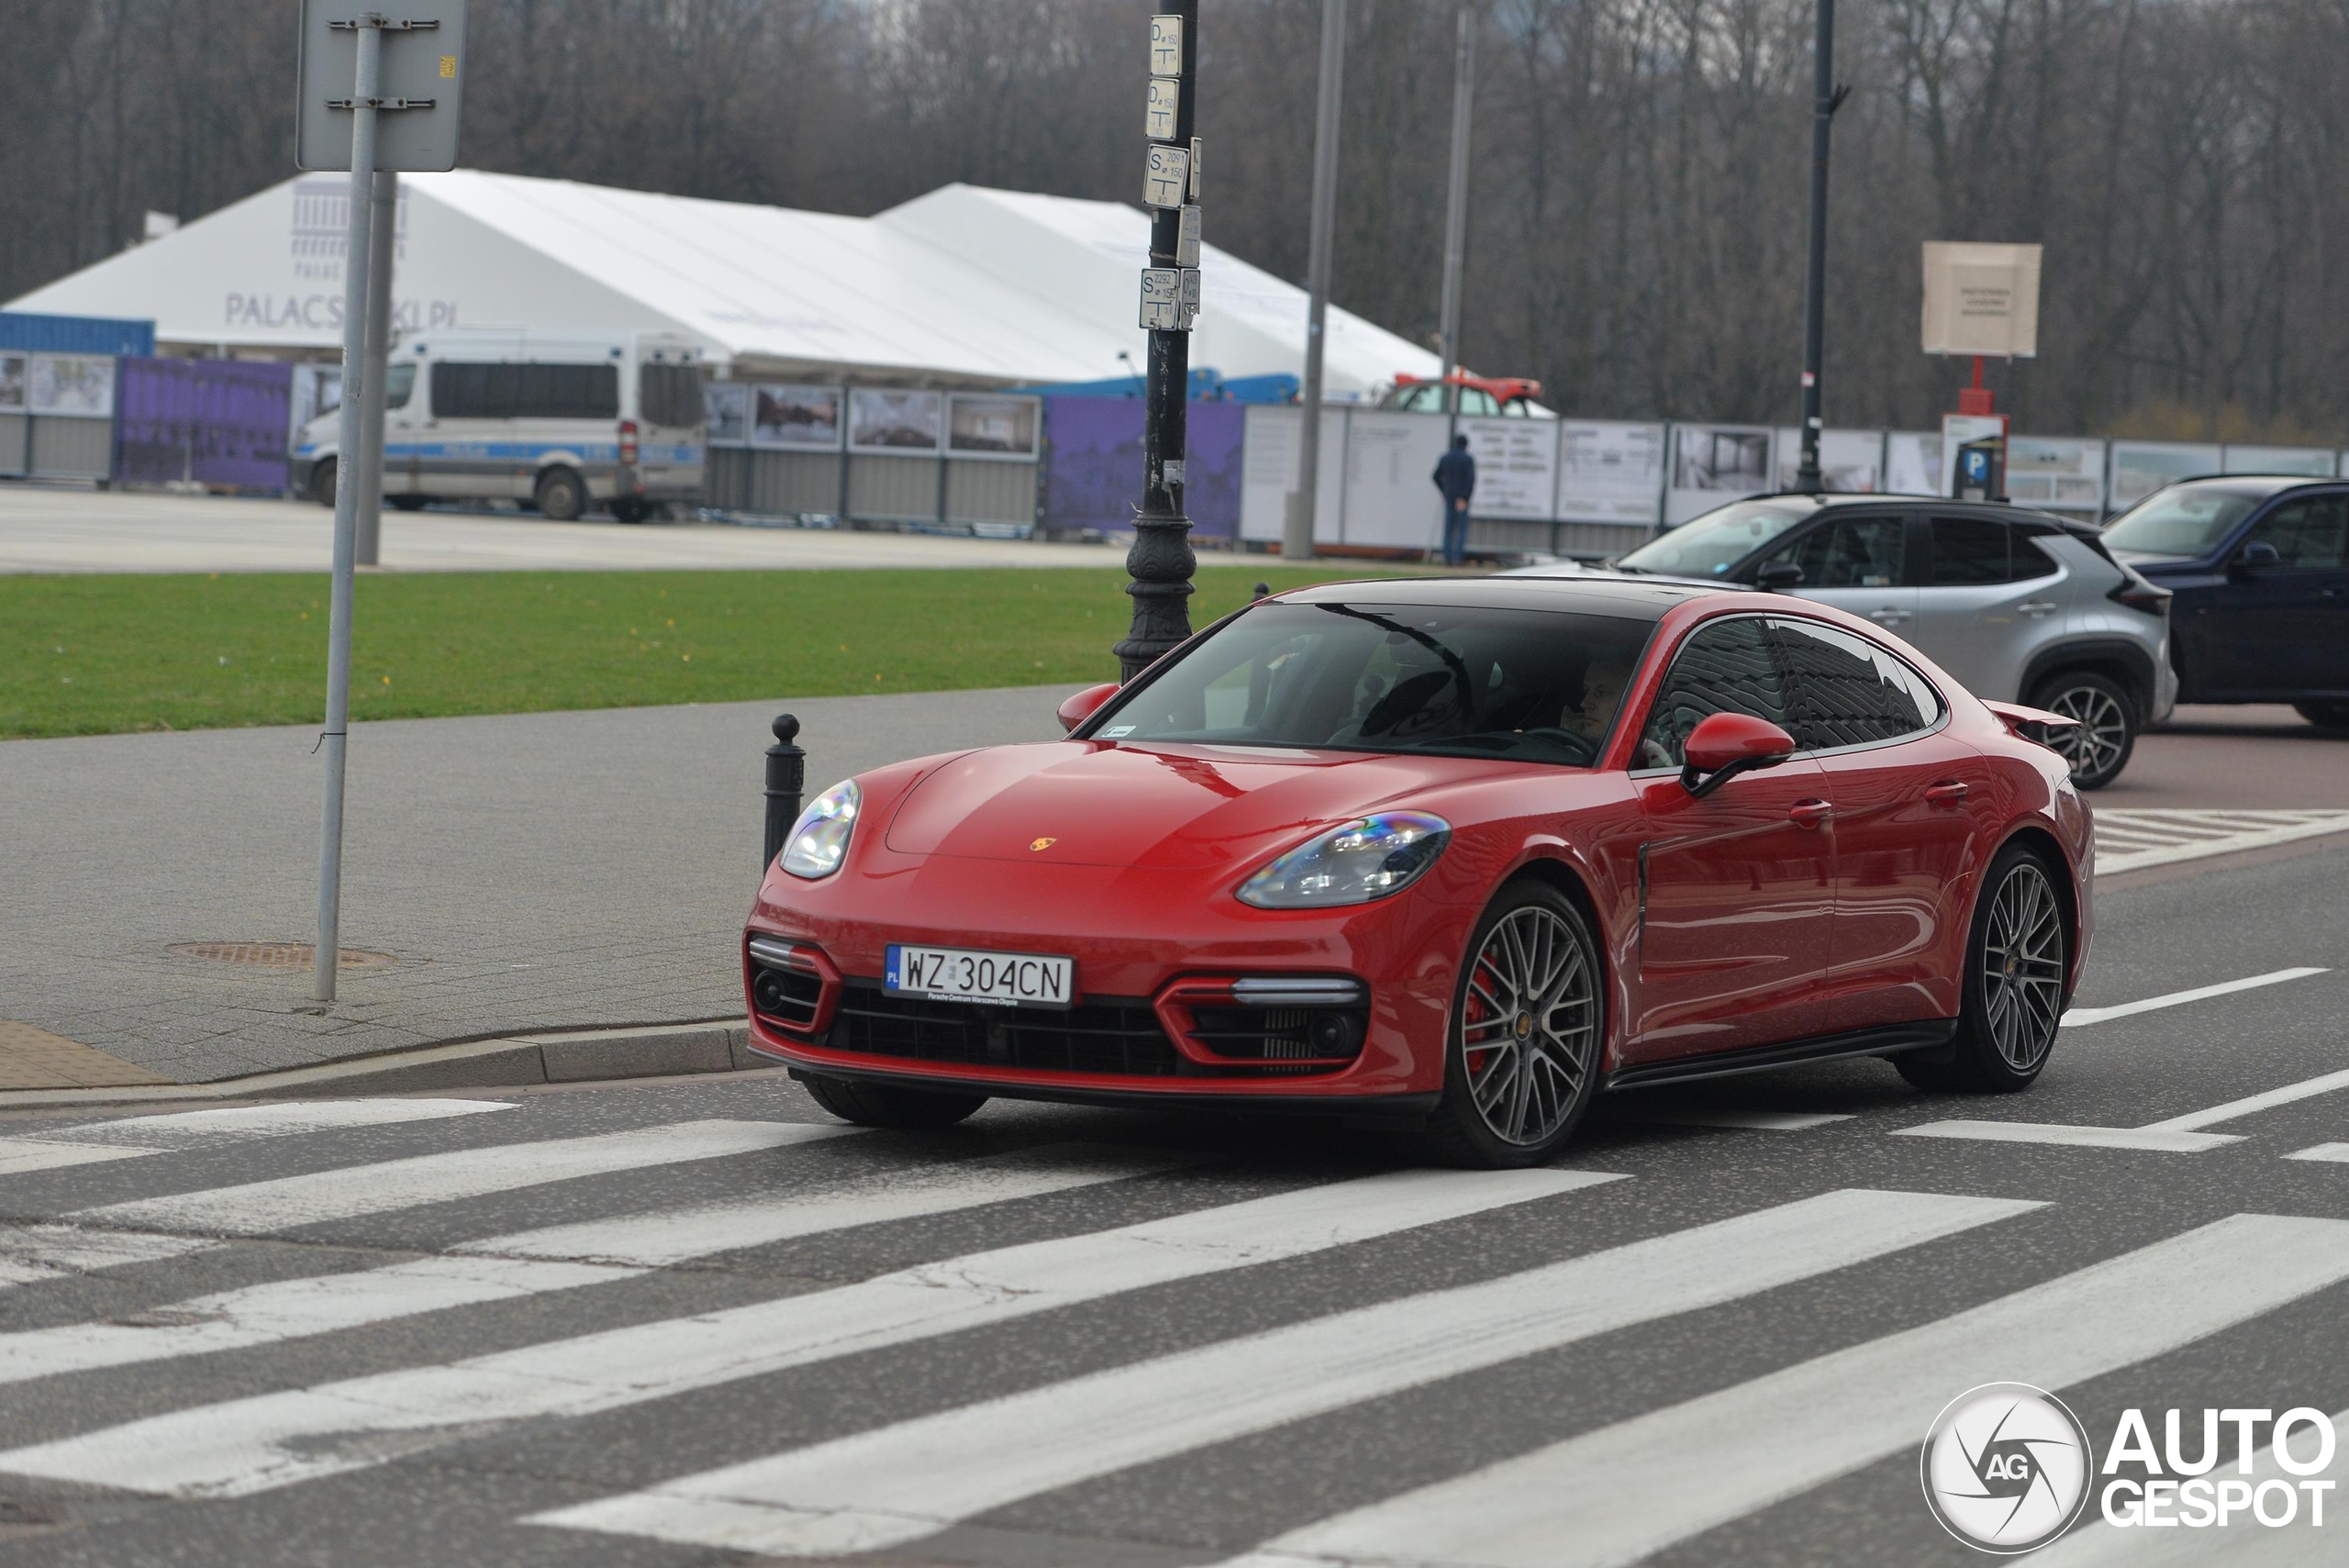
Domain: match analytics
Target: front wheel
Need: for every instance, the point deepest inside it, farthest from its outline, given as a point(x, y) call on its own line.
point(2104, 725)
point(2324, 715)
point(1526, 1025)
point(885, 1105)
point(322, 483)
point(2016, 961)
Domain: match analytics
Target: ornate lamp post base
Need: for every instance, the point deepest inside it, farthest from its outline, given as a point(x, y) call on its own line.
point(1160, 565)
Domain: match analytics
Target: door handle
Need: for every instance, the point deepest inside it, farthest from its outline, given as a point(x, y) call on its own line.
point(1945, 794)
point(2039, 607)
point(1809, 813)
point(1888, 616)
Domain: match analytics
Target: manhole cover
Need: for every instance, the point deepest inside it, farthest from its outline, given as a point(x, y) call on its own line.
point(277, 955)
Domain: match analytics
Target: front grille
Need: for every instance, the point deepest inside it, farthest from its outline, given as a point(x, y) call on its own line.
point(1099, 1036)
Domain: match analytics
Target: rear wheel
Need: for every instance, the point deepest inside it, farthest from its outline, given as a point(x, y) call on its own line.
point(408, 503)
point(885, 1105)
point(1522, 1061)
point(2104, 724)
point(2324, 715)
point(562, 496)
point(2015, 966)
point(322, 483)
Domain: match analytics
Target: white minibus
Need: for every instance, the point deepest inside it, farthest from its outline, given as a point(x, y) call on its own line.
point(565, 421)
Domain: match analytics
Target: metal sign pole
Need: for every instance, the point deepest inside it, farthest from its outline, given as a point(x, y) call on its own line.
point(366, 89)
point(1297, 534)
point(383, 219)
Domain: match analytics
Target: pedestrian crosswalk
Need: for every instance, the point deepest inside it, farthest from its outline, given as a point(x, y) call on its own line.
point(1309, 1295)
point(2133, 840)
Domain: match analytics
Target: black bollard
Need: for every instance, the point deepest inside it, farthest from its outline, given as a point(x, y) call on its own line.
point(786, 778)
point(1263, 590)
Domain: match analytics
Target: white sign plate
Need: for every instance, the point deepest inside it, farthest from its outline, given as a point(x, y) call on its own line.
point(1197, 148)
point(1161, 300)
point(1186, 243)
point(1166, 46)
point(1190, 296)
point(1165, 99)
point(420, 65)
point(1166, 173)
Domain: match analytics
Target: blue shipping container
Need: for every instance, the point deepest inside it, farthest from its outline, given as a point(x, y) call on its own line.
point(75, 334)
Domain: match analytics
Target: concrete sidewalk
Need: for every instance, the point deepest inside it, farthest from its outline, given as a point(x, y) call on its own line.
point(56, 528)
point(524, 873)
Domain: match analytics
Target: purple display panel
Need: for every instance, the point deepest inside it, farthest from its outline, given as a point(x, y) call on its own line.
point(1093, 464)
point(214, 421)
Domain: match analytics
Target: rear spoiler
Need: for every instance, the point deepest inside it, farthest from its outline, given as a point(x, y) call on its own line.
point(2031, 723)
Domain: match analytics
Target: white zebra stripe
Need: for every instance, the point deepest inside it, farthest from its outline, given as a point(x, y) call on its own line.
point(132, 1138)
point(561, 1257)
point(29, 1253)
point(1616, 1494)
point(269, 1441)
point(898, 1484)
point(285, 1203)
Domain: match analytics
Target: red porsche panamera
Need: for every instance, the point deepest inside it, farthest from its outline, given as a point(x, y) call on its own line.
point(1451, 854)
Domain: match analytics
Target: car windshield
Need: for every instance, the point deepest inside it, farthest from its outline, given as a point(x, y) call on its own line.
point(1541, 686)
point(2180, 521)
point(1708, 546)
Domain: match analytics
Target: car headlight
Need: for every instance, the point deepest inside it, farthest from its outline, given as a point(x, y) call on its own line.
point(1361, 861)
point(818, 840)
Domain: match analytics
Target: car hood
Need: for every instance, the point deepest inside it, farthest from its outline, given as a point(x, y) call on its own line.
point(1086, 803)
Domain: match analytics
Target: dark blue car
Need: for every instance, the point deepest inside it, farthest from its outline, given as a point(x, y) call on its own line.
point(2260, 566)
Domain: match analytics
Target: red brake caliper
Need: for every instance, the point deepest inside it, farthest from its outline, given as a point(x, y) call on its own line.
point(1476, 1013)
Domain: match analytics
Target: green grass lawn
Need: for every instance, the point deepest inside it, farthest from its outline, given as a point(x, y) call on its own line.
point(88, 655)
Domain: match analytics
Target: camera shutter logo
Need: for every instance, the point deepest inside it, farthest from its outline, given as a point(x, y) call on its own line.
point(2005, 1467)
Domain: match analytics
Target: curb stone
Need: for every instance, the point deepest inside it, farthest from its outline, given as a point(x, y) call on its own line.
point(575, 1056)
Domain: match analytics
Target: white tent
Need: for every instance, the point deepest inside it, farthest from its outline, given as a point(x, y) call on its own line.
point(964, 286)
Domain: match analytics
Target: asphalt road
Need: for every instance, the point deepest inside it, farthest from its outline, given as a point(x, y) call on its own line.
point(697, 1322)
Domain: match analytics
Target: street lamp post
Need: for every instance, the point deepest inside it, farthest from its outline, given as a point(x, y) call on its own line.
point(1297, 527)
point(1456, 208)
point(1829, 98)
point(1161, 562)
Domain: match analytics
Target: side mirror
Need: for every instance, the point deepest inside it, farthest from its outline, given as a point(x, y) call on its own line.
point(1778, 577)
point(1728, 744)
point(2257, 556)
point(1084, 704)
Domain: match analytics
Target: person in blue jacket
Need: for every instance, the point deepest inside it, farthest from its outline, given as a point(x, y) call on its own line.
point(1455, 479)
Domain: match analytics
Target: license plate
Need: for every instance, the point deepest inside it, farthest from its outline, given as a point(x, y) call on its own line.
point(997, 979)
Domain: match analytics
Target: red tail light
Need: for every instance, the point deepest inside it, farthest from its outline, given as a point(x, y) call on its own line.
point(627, 442)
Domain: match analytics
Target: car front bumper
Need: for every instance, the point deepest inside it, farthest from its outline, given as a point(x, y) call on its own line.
point(1156, 955)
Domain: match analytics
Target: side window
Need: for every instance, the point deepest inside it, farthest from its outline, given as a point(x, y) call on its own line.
point(2308, 534)
point(399, 382)
point(1725, 667)
point(567, 392)
point(1850, 552)
point(1969, 551)
point(2031, 563)
point(1842, 689)
point(468, 391)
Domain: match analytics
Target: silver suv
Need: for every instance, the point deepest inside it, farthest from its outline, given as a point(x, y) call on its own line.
point(2019, 606)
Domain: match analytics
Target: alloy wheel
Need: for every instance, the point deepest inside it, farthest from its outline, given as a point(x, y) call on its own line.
point(1528, 1032)
point(2100, 734)
point(2022, 967)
